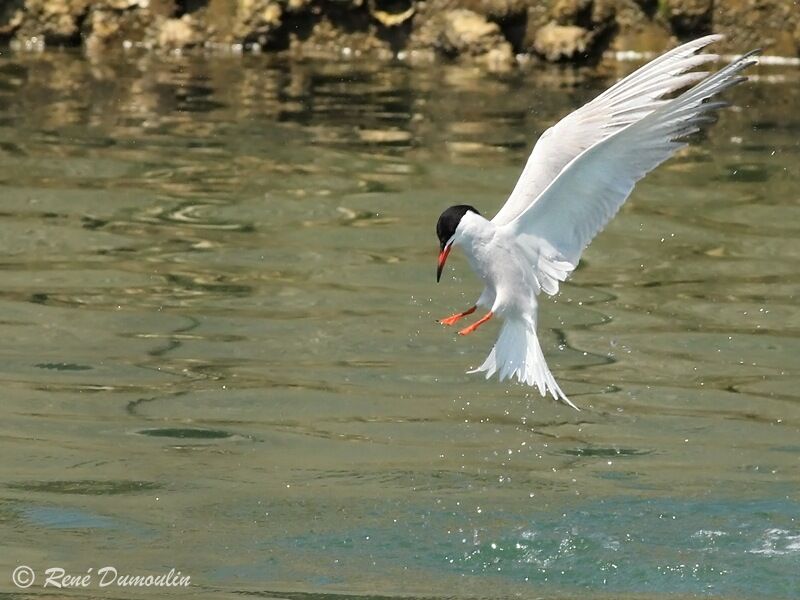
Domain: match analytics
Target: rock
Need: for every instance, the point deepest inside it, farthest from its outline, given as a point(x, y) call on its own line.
point(590, 14)
point(56, 21)
point(326, 41)
point(496, 10)
point(247, 21)
point(176, 34)
point(257, 20)
point(493, 10)
point(606, 12)
point(650, 36)
point(499, 58)
point(563, 42)
point(106, 29)
point(466, 34)
point(574, 30)
point(391, 13)
point(297, 5)
point(539, 15)
point(572, 12)
point(747, 24)
point(123, 4)
point(625, 15)
point(155, 8)
point(688, 16)
point(483, 31)
point(11, 17)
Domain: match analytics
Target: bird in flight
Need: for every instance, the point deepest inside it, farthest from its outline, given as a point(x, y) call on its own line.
point(577, 177)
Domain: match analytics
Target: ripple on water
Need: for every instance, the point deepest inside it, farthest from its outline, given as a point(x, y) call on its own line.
point(86, 486)
point(182, 433)
point(606, 452)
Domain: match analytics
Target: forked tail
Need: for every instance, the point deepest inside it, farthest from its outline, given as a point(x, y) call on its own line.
point(517, 353)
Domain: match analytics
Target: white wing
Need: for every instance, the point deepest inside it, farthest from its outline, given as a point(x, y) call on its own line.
point(591, 189)
point(624, 103)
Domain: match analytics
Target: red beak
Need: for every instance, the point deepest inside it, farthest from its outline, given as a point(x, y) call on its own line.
point(442, 259)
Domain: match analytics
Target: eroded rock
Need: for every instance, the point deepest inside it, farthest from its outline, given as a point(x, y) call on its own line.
point(770, 24)
point(177, 34)
point(465, 34)
point(484, 31)
point(688, 15)
point(574, 30)
point(563, 42)
point(106, 29)
point(11, 17)
point(326, 41)
point(391, 13)
point(55, 21)
point(572, 12)
point(257, 21)
point(497, 10)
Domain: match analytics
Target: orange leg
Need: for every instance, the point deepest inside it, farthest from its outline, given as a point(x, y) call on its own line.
point(476, 324)
point(452, 320)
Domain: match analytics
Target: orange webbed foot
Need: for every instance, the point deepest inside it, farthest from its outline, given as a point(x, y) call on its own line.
point(475, 325)
point(453, 319)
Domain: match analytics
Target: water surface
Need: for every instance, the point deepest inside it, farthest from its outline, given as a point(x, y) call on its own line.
point(218, 301)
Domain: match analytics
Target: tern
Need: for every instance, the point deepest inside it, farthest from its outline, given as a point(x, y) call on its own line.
point(577, 177)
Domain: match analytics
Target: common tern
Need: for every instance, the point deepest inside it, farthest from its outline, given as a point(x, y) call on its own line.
point(577, 177)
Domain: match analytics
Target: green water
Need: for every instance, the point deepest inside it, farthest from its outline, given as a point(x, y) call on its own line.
point(219, 350)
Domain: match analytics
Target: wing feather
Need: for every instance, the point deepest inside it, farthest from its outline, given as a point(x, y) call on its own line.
point(626, 102)
point(590, 190)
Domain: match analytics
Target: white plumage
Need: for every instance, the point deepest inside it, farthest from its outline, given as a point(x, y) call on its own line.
point(579, 174)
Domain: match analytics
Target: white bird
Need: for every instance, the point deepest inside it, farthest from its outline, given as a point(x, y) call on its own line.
point(577, 177)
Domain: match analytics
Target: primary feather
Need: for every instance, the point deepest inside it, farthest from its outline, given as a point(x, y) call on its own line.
point(590, 190)
point(624, 103)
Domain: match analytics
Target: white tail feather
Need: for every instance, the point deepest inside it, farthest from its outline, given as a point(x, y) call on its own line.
point(517, 354)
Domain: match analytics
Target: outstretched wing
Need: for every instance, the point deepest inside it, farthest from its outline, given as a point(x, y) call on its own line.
point(626, 102)
point(591, 189)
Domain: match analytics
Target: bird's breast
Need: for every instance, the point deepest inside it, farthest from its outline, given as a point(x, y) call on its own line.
point(503, 268)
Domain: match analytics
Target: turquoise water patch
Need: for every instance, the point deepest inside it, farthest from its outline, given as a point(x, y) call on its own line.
point(704, 547)
point(66, 518)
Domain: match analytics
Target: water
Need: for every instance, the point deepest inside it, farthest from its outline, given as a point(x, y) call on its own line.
point(220, 354)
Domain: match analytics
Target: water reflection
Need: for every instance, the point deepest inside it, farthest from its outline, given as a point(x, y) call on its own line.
point(218, 300)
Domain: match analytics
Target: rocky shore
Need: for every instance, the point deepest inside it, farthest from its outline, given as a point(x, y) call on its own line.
point(493, 33)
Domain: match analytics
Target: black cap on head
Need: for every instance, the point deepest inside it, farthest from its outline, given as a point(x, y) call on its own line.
point(449, 220)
